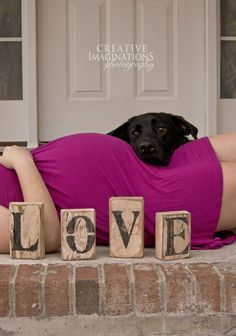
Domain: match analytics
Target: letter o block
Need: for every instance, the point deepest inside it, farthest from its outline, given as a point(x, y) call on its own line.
point(173, 232)
point(27, 236)
point(78, 234)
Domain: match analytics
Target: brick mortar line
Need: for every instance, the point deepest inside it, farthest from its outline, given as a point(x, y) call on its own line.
point(12, 293)
point(102, 289)
point(132, 289)
point(72, 291)
point(162, 289)
point(223, 305)
point(193, 289)
point(42, 292)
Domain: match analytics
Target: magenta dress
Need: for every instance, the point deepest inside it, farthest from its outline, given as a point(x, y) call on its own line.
point(85, 170)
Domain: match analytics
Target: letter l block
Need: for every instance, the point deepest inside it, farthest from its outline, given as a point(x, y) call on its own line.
point(27, 236)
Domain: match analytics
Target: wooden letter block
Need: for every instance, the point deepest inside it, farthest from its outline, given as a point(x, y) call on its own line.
point(126, 217)
point(78, 235)
point(27, 237)
point(173, 233)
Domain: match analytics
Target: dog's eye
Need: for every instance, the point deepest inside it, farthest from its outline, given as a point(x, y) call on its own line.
point(136, 132)
point(161, 130)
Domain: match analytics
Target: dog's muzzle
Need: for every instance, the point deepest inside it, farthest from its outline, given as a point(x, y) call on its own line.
point(147, 149)
point(151, 154)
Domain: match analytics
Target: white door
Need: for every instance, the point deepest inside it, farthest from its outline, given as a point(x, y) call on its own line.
point(77, 37)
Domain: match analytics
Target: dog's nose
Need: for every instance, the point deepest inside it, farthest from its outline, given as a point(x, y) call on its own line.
point(147, 148)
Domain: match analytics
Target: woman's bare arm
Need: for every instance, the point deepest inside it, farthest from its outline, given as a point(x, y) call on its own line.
point(34, 190)
point(4, 230)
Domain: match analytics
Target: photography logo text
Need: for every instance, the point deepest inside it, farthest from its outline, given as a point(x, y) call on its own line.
point(123, 56)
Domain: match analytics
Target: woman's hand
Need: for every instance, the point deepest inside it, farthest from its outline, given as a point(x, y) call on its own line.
point(14, 155)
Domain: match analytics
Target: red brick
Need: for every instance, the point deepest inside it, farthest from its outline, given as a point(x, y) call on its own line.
point(178, 288)
point(87, 290)
point(208, 288)
point(229, 273)
point(5, 273)
point(57, 290)
point(116, 289)
point(146, 288)
point(27, 290)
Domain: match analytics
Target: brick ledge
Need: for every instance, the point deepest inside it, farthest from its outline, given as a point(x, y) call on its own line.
point(203, 284)
point(225, 254)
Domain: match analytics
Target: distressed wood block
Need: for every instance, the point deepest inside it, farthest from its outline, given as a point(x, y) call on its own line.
point(126, 226)
point(173, 234)
point(78, 234)
point(27, 235)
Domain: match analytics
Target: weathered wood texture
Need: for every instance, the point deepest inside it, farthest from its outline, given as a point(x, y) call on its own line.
point(78, 234)
point(27, 235)
point(173, 234)
point(126, 226)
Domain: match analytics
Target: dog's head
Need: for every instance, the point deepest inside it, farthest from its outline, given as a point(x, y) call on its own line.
point(155, 136)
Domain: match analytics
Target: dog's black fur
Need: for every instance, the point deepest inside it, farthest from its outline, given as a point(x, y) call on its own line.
point(155, 136)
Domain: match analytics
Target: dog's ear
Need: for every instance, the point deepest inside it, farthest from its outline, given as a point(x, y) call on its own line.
point(185, 126)
point(121, 132)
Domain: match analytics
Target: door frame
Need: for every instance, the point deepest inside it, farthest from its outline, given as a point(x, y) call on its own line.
point(30, 70)
point(212, 65)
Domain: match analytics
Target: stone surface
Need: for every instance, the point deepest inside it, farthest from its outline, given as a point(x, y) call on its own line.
point(224, 255)
point(185, 325)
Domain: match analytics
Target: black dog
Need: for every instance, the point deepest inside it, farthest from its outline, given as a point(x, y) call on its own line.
point(155, 136)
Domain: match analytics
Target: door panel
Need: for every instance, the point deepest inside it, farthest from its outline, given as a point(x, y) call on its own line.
point(154, 26)
point(86, 78)
point(76, 94)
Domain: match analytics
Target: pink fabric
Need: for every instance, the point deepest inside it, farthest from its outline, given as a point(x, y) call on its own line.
point(85, 170)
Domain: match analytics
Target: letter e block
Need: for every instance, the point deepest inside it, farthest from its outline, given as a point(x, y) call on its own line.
point(173, 232)
point(78, 236)
point(126, 217)
point(27, 236)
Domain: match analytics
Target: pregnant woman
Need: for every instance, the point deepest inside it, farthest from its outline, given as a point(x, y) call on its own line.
point(85, 170)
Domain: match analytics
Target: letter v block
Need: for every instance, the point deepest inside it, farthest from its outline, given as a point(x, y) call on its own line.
point(173, 232)
point(126, 217)
point(27, 237)
point(78, 238)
